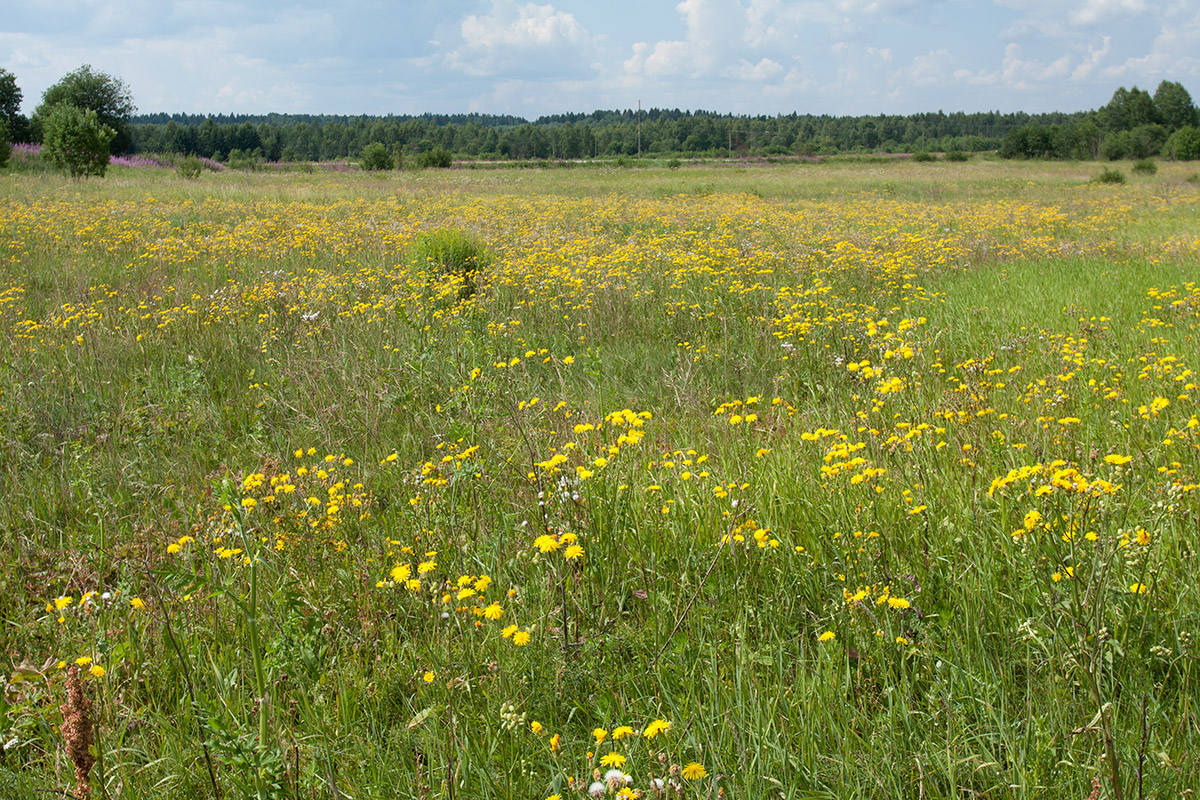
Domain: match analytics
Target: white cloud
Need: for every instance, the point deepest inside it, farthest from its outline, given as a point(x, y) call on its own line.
point(520, 40)
point(531, 26)
point(1094, 57)
point(764, 70)
point(1092, 11)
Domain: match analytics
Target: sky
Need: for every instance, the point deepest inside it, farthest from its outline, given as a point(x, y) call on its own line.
point(845, 57)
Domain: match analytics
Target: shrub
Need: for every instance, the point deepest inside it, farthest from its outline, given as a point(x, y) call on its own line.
point(5, 144)
point(674, 163)
point(248, 160)
point(957, 155)
point(923, 157)
point(1145, 167)
point(438, 157)
point(74, 140)
point(1110, 176)
point(452, 252)
point(189, 168)
point(1184, 144)
point(375, 157)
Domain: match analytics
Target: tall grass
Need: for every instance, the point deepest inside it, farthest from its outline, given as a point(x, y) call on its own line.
point(808, 481)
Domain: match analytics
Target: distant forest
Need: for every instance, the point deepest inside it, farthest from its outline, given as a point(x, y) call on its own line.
point(1134, 124)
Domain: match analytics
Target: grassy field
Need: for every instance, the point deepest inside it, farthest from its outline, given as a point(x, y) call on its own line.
point(850, 480)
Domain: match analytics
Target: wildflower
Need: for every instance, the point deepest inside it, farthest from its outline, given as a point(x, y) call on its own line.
point(546, 543)
point(97, 671)
point(509, 631)
point(1117, 460)
point(1138, 588)
point(613, 760)
point(494, 611)
point(621, 732)
point(521, 638)
point(428, 677)
point(573, 552)
point(599, 734)
point(827, 636)
point(597, 789)
point(554, 742)
point(694, 771)
point(535, 726)
point(138, 603)
point(656, 727)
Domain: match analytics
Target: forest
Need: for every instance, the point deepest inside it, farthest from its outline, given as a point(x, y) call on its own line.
point(1134, 124)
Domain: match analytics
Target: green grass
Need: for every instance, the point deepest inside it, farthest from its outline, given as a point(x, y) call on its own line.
point(170, 339)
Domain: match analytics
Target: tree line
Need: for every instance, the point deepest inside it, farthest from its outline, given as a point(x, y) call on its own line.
point(1134, 124)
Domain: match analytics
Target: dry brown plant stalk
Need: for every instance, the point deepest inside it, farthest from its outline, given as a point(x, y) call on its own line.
point(77, 732)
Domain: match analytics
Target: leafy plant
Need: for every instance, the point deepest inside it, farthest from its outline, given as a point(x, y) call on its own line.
point(375, 157)
point(189, 168)
point(1146, 166)
point(438, 157)
point(957, 156)
point(1110, 176)
point(75, 140)
point(922, 157)
point(452, 252)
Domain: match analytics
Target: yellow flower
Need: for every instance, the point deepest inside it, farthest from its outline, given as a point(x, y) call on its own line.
point(509, 631)
point(494, 611)
point(83, 661)
point(137, 603)
point(656, 727)
point(554, 743)
point(546, 543)
point(621, 732)
point(573, 552)
point(97, 671)
point(427, 677)
point(613, 760)
point(1138, 588)
point(535, 726)
point(599, 734)
point(1117, 460)
point(827, 636)
point(694, 771)
point(521, 638)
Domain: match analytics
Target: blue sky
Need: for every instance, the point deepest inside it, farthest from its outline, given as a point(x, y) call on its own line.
point(531, 58)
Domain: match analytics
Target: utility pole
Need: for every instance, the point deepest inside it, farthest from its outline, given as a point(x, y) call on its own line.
point(639, 128)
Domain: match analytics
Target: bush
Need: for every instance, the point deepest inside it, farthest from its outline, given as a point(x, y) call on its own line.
point(5, 144)
point(248, 160)
point(674, 163)
point(1145, 167)
point(923, 157)
point(189, 168)
point(452, 252)
point(957, 155)
point(1110, 176)
point(74, 140)
point(375, 157)
point(1184, 144)
point(438, 157)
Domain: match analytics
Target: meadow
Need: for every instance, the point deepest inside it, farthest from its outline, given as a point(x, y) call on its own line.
point(841, 480)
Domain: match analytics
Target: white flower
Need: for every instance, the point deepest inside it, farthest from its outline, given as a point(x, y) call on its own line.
point(597, 789)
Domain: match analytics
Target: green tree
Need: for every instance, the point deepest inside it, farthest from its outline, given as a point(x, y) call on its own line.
point(100, 92)
point(10, 107)
point(74, 139)
point(5, 144)
point(1184, 144)
point(1174, 105)
point(375, 156)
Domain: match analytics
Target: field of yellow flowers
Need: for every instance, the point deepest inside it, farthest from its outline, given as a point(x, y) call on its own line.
point(810, 481)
